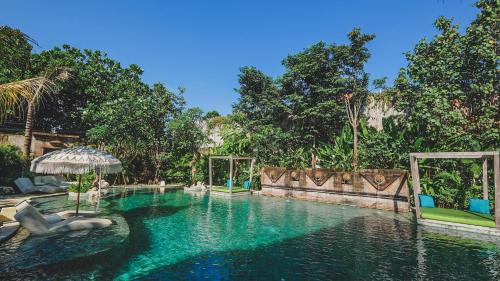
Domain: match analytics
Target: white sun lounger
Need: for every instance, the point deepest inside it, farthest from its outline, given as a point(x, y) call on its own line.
point(26, 186)
point(55, 180)
point(29, 218)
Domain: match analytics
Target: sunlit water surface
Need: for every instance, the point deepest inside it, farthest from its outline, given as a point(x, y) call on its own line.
point(179, 236)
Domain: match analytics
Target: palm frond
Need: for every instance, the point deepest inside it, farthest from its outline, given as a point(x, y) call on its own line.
point(14, 95)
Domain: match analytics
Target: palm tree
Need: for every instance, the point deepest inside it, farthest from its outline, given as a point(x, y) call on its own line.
point(30, 92)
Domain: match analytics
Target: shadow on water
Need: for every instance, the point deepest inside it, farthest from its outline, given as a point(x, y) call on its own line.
point(364, 248)
point(369, 247)
point(102, 265)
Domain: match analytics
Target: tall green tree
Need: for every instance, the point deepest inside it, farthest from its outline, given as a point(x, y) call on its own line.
point(15, 51)
point(185, 137)
point(450, 88)
point(450, 96)
point(353, 58)
point(311, 91)
point(133, 126)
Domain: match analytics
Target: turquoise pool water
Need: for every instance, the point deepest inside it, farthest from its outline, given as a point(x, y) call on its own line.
point(179, 236)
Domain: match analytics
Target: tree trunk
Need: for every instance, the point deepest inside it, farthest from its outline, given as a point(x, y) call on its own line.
point(313, 155)
point(157, 164)
point(193, 169)
point(28, 131)
point(355, 148)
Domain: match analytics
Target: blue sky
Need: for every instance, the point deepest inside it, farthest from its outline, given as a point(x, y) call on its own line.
point(201, 45)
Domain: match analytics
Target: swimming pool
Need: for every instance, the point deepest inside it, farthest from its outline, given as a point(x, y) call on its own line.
point(179, 236)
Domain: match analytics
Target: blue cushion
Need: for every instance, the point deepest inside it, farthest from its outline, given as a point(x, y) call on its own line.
point(426, 201)
point(246, 184)
point(479, 206)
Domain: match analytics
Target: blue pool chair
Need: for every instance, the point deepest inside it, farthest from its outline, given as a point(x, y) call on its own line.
point(479, 206)
point(426, 201)
point(246, 184)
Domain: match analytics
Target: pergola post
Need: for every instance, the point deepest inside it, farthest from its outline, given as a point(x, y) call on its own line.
point(251, 174)
point(230, 174)
point(496, 172)
point(210, 172)
point(485, 178)
point(416, 184)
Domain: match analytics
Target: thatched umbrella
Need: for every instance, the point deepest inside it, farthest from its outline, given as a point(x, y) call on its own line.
point(76, 160)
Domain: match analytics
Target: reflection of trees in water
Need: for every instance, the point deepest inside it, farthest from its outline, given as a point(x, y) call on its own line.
point(361, 244)
point(103, 266)
point(364, 248)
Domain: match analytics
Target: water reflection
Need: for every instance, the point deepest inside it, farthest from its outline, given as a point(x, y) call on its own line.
point(183, 236)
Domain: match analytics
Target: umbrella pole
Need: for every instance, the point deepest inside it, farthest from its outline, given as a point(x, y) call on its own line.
point(78, 196)
point(99, 196)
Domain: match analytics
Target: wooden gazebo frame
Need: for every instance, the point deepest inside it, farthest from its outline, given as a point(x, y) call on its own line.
point(460, 155)
point(231, 160)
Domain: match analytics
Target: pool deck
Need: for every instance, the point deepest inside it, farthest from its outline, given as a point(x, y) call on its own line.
point(458, 228)
point(13, 199)
point(136, 186)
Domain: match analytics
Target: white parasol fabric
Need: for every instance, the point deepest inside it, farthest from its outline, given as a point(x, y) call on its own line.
point(76, 160)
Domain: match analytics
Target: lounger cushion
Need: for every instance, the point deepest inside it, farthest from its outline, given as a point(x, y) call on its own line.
point(79, 223)
point(50, 188)
point(25, 185)
point(9, 212)
point(246, 184)
point(479, 206)
point(37, 224)
point(57, 217)
point(426, 201)
point(54, 180)
point(31, 219)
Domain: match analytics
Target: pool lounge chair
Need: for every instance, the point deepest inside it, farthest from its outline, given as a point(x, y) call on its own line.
point(36, 223)
point(55, 180)
point(26, 186)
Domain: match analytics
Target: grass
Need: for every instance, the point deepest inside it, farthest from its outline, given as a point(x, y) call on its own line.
point(226, 190)
point(457, 216)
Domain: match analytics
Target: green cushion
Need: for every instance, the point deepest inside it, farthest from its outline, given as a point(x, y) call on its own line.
point(457, 216)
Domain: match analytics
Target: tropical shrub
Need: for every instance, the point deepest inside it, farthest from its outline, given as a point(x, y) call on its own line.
point(86, 186)
point(11, 164)
point(86, 183)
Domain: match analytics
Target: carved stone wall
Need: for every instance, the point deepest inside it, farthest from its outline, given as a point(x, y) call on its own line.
point(378, 189)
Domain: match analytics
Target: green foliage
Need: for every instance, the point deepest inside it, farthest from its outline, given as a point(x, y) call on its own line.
point(338, 153)
point(86, 186)
point(184, 138)
point(211, 114)
point(15, 51)
point(447, 96)
point(11, 164)
point(449, 93)
point(86, 183)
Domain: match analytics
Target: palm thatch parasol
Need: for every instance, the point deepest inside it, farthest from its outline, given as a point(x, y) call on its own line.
point(76, 160)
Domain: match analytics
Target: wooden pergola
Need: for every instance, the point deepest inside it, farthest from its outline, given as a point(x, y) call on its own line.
point(231, 160)
point(460, 155)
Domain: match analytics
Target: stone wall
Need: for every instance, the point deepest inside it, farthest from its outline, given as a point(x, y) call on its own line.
point(377, 189)
point(41, 142)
